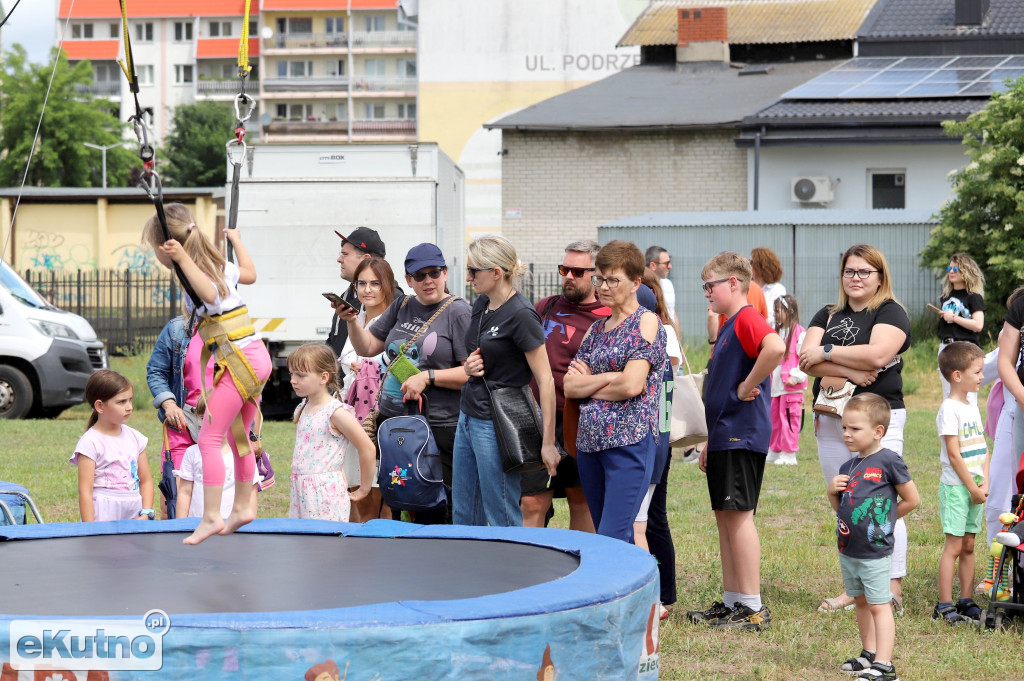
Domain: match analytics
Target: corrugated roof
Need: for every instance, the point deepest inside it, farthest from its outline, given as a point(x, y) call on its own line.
point(301, 5)
point(50, 193)
point(108, 9)
point(655, 96)
point(941, 109)
point(807, 216)
point(217, 48)
point(937, 18)
point(91, 49)
point(757, 21)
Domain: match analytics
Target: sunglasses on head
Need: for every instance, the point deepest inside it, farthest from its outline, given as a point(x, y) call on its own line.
point(433, 274)
point(577, 272)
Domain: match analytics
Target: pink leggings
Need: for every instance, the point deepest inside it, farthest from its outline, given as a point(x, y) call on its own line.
point(223, 406)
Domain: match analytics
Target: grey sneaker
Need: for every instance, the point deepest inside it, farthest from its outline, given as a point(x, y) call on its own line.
point(718, 609)
point(744, 618)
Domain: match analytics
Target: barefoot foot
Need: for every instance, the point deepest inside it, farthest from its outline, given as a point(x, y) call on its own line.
point(206, 529)
point(236, 520)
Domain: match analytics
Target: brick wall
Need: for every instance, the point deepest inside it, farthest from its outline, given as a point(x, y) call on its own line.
point(701, 25)
point(563, 184)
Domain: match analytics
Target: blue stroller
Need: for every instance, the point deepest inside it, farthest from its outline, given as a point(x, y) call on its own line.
point(14, 500)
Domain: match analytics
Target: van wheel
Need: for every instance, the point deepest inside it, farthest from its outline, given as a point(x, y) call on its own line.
point(15, 393)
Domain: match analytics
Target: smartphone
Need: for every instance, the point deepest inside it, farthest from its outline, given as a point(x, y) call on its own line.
point(337, 300)
point(934, 309)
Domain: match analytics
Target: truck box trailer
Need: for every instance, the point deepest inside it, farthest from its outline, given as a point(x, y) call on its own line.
point(292, 199)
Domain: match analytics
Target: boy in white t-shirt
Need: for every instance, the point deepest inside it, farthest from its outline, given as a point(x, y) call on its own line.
point(963, 486)
point(190, 483)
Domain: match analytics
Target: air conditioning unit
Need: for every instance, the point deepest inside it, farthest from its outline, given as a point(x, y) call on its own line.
point(811, 189)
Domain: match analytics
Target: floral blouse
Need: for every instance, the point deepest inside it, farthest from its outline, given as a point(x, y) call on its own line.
point(605, 424)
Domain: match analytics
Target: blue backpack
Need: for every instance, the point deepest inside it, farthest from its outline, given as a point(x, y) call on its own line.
point(410, 463)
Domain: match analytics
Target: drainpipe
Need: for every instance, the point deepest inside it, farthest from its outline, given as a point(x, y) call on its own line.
point(351, 71)
point(757, 166)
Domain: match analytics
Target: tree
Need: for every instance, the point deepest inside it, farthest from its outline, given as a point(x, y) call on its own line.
point(195, 150)
point(985, 217)
point(72, 117)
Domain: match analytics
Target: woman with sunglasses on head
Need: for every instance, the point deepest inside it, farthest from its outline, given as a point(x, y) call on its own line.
point(618, 374)
point(861, 338)
point(963, 308)
point(439, 351)
point(507, 351)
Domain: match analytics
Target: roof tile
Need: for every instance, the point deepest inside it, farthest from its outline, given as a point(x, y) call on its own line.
point(920, 18)
point(108, 9)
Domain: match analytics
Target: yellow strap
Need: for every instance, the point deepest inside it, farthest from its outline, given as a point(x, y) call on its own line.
point(126, 63)
point(243, 45)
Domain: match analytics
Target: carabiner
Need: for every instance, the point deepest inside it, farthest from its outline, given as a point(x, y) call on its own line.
point(238, 144)
point(142, 135)
point(244, 100)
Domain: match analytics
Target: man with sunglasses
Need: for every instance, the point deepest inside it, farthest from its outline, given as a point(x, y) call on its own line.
point(566, 319)
point(361, 244)
point(660, 262)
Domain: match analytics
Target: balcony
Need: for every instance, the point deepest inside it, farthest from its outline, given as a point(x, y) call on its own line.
point(377, 39)
point(362, 130)
point(306, 84)
point(383, 84)
point(225, 87)
point(385, 126)
point(299, 42)
point(100, 89)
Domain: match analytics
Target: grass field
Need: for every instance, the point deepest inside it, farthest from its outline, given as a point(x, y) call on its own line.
point(800, 562)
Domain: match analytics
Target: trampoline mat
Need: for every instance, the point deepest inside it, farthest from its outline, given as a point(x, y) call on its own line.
point(130, 574)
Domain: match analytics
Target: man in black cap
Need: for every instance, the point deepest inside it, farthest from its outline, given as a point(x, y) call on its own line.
point(362, 243)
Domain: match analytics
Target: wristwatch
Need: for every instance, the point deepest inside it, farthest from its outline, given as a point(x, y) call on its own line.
point(430, 376)
point(148, 512)
point(828, 352)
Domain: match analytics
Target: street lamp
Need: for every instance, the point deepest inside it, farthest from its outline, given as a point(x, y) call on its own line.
point(104, 151)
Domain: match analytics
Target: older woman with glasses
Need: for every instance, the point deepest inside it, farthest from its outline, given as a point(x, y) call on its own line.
point(861, 338)
point(439, 352)
point(618, 373)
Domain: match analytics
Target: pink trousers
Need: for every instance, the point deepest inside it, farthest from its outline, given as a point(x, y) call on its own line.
point(224, 404)
point(786, 422)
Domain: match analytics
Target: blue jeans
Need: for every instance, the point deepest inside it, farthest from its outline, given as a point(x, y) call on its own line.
point(482, 493)
point(615, 481)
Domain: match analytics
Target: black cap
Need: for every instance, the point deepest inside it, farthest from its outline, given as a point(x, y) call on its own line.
point(365, 239)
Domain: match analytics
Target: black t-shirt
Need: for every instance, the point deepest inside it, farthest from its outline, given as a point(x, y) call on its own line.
point(504, 336)
point(847, 328)
point(961, 304)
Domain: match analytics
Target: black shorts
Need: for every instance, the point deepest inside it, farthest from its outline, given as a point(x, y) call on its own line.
point(734, 479)
point(567, 476)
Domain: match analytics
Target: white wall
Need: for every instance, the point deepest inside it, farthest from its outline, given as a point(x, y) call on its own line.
point(926, 167)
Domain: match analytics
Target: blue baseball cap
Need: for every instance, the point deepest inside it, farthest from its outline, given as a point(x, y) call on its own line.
point(423, 255)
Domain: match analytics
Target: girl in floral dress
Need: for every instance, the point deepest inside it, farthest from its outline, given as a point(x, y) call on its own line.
point(324, 426)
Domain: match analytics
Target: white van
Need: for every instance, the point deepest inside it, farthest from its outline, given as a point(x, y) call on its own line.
point(46, 354)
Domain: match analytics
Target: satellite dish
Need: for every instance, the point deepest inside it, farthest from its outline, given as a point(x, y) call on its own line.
point(266, 119)
point(267, 32)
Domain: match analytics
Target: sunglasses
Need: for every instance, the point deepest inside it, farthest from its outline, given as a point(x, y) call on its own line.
point(472, 271)
point(420, 276)
point(708, 285)
point(952, 268)
point(577, 272)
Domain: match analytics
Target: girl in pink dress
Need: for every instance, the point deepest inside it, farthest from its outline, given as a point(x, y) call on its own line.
point(113, 474)
point(325, 426)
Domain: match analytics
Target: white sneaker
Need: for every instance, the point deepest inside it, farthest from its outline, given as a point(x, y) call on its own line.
point(788, 458)
point(773, 457)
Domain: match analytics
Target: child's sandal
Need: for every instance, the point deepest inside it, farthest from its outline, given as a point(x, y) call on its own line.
point(858, 664)
point(969, 609)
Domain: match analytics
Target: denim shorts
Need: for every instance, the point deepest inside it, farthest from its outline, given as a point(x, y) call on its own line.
point(959, 515)
point(868, 577)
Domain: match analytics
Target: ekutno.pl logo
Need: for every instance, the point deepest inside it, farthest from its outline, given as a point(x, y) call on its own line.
point(90, 644)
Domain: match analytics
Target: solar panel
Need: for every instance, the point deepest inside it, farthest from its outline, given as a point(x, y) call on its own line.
point(910, 77)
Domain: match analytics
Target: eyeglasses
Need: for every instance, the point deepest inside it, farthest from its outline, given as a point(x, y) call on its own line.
point(420, 276)
point(472, 271)
point(952, 268)
point(708, 285)
point(613, 282)
point(857, 274)
point(577, 272)
point(370, 285)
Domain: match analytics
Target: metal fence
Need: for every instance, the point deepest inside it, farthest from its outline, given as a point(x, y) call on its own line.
point(127, 309)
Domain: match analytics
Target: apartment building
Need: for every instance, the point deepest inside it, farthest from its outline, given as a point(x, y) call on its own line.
point(323, 70)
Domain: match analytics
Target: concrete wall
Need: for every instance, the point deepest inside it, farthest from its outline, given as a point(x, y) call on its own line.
point(926, 167)
point(559, 186)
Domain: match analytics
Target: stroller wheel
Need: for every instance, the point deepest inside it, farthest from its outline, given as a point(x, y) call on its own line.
point(997, 622)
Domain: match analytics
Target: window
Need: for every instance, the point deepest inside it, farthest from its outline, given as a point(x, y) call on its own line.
point(374, 67)
point(254, 26)
point(144, 74)
point(407, 68)
point(115, 30)
point(407, 111)
point(304, 26)
point(183, 73)
point(214, 29)
point(375, 111)
point(182, 31)
point(80, 31)
point(888, 188)
point(342, 111)
point(228, 71)
point(338, 68)
point(334, 24)
point(299, 69)
point(144, 32)
point(225, 29)
point(282, 111)
point(103, 73)
point(220, 28)
point(300, 111)
point(376, 23)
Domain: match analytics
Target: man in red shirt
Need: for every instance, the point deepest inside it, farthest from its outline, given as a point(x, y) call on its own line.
point(566, 319)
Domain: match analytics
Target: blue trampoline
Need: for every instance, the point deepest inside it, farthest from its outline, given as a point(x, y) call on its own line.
point(291, 599)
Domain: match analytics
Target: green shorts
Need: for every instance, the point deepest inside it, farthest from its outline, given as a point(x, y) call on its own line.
point(958, 513)
point(868, 577)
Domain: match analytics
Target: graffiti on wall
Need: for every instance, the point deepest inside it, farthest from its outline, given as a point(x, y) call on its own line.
point(47, 250)
point(140, 260)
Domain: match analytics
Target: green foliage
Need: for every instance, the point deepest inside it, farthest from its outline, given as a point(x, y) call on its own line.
point(72, 117)
point(985, 217)
point(195, 150)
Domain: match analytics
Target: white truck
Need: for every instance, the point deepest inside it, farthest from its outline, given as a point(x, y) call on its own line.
point(46, 354)
point(292, 199)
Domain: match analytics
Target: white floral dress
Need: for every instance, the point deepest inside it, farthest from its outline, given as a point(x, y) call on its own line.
point(319, 488)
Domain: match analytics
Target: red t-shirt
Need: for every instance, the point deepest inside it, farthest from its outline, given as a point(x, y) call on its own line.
point(565, 325)
point(755, 297)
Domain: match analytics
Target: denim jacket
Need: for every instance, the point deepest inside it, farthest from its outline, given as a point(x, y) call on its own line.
point(165, 368)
